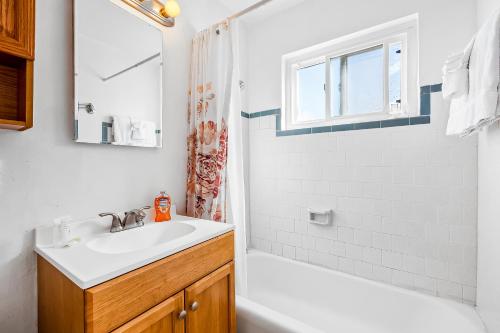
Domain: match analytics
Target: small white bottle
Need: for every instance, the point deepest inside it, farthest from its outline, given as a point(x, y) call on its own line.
point(61, 233)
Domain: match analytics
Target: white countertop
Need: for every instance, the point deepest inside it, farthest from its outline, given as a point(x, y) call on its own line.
point(87, 267)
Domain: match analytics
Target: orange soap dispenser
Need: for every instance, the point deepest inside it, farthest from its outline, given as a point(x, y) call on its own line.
point(162, 207)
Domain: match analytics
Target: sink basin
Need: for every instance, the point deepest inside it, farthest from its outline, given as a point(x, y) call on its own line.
point(140, 238)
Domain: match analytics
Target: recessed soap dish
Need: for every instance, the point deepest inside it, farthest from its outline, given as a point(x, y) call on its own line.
point(321, 217)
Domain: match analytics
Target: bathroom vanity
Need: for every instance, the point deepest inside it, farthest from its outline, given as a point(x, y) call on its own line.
point(179, 280)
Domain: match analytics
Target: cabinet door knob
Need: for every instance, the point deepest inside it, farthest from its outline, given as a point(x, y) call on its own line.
point(194, 306)
point(182, 314)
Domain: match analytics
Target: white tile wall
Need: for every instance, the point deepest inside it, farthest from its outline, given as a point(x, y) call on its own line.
point(404, 200)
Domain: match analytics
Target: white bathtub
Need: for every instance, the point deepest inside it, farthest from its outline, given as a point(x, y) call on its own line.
point(289, 296)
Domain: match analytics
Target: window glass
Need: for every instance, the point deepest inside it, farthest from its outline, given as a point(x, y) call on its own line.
point(395, 73)
point(311, 93)
point(368, 76)
point(365, 82)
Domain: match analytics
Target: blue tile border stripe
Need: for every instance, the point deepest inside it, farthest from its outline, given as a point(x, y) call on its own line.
point(343, 128)
point(420, 120)
point(322, 129)
point(423, 118)
point(299, 131)
point(425, 104)
point(264, 113)
point(395, 122)
point(367, 125)
point(436, 87)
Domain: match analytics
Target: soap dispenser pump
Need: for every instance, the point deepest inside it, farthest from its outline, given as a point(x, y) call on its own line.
point(162, 207)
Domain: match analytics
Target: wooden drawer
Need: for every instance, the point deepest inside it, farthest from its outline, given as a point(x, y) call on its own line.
point(113, 303)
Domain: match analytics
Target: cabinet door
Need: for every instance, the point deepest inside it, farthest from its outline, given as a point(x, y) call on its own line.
point(166, 317)
point(211, 303)
point(17, 27)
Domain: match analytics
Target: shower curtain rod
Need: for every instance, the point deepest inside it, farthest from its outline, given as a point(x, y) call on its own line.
point(249, 9)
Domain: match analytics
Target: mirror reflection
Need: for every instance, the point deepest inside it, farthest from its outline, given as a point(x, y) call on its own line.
point(118, 76)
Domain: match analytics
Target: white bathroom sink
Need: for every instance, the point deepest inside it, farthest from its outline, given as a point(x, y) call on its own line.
point(139, 238)
point(99, 255)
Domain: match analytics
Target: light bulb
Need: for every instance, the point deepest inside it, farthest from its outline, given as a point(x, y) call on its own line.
point(171, 9)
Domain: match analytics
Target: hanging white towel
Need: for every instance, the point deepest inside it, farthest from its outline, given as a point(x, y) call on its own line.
point(456, 73)
point(480, 106)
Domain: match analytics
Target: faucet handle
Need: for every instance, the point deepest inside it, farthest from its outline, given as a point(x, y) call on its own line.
point(116, 224)
point(140, 214)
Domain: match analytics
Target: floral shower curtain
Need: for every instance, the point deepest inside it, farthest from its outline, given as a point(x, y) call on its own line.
point(215, 141)
point(209, 105)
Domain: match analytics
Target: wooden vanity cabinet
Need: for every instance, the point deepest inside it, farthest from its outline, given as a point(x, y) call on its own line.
point(189, 292)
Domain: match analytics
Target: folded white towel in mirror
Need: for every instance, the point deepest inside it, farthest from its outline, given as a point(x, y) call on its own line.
point(479, 107)
point(137, 129)
point(142, 133)
point(128, 131)
point(121, 130)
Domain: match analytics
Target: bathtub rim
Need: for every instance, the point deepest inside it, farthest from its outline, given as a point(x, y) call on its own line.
point(467, 311)
point(274, 320)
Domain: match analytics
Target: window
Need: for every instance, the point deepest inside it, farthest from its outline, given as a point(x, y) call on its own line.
point(369, 75)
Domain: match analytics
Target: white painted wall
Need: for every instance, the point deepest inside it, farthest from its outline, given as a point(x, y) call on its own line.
point(317, 21)
point(488, 270)
point(43, 174)
point(404, 198)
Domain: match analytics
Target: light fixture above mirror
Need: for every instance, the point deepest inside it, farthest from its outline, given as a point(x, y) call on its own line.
point(161, 12)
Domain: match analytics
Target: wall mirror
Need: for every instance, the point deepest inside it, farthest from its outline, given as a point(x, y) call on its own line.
point(118, 76)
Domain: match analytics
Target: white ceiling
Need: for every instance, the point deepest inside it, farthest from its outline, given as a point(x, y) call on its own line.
point(268, 10)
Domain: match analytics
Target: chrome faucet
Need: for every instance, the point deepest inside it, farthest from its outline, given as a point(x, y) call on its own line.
point(116, 225)
point(132, 219)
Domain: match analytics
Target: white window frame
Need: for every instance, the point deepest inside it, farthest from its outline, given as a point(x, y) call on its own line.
point(404, 30)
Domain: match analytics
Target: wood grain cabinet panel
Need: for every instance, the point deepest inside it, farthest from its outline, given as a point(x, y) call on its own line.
point(60, 301)
point(17, 28)
point(210, 303)
point(17, 54)
point(163, 318)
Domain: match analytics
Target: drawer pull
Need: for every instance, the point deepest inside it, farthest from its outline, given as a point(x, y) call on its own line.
point(182, 314)
point(195, 306)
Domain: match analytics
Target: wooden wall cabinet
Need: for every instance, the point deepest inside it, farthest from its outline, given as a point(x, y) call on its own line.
point(189, 292)
point(17, 54)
